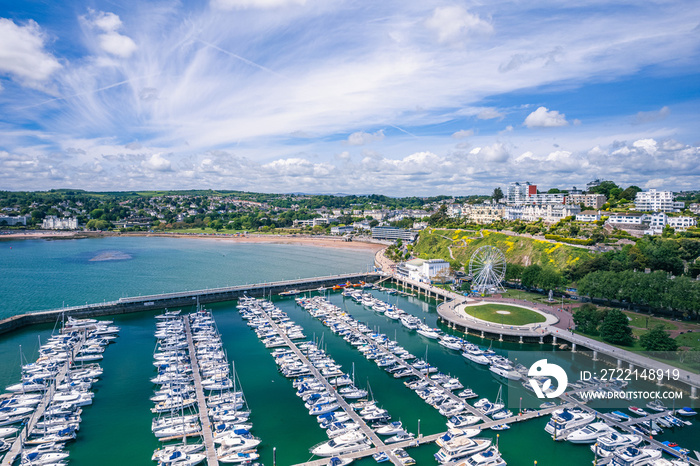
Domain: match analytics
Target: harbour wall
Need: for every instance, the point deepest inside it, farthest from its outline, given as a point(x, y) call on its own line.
point(185, 299)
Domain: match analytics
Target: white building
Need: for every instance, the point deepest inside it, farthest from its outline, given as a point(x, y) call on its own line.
point(657, 201)
point(393, 234)
point(518, 192)
point(12, 221)
point(630, 218)
point(483, 213)
point(54, 223)
point(588, 216)
point(311, 222)
point(546, 198)
point(659, 220)
point(364, 225)
point(550, 213)
point(342, 230)
point(594, 201)
point(426, 271)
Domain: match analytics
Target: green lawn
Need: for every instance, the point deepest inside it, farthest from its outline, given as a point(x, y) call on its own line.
point(691, 340)
point(518, 315)
point(640, 321)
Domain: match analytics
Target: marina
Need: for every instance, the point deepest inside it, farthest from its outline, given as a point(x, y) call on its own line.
point(128, 364)
point(48, 402)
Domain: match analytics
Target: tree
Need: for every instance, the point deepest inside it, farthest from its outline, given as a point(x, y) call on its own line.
point(514, 271)
point(549, 278)
point(657, 339)
point(630, 193)
point(530, 276)
point(587, 318)
point(616, 328)
point(604, 188)
point(497, 194)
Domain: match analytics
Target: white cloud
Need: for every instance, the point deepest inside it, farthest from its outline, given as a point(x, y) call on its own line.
point(489, 114)
point(22, 52)
point(647, 145)
point(649, 117)
point(157, 163)
point(464, 133)
point(361, 138)
point(453, 23)
point(110, 40)
point(243, 4)
point(543, 118)
point(494, 153)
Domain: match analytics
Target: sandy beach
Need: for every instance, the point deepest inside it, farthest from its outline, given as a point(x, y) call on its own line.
point(323, 241)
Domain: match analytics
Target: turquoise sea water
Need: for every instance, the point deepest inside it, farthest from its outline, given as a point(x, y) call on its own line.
point(116, 428)
point(43, 274)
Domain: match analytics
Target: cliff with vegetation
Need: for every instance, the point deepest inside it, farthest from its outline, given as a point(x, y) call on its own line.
point(457, 246)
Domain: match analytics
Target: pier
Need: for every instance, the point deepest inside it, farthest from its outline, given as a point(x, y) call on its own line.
point(423, 439)
point(182, 299)
point(212, 459)
point(374, 438)
point(26, 431)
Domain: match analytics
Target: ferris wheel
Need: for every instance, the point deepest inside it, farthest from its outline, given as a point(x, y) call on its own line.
point(487, 268)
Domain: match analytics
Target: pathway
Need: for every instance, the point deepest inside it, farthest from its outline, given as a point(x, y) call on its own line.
point(341, 401)
point(26, 431)
point(212, 459)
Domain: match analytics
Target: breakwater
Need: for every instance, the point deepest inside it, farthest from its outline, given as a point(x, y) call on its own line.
point(182, 299)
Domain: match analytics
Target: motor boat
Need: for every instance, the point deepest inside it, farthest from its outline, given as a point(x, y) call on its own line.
point(657, 406)
point(609, 443)
point(461, 421)
point(490, 457)
point(633, 456)
point(590, 433)
point(346, 443)
point(686, 412)
point(400, 437)
point(459, 447)
point(566, 419)
point(162, 454)
point(241, 457)
point(452, 433)
point(506, 371)
point(638, 411)
point(390, 429)
point(477, 356)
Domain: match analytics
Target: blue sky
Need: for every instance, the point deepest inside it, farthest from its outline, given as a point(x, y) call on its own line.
point(328, 96)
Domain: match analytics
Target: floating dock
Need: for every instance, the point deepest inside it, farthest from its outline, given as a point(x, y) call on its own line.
point(212, 459)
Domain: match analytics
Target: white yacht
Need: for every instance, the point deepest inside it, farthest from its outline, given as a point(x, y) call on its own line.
point(392, 428)
point(590, 433)
point(506, 371)
point(609, 443)
point(241, 457)
point(459, 447)
point(462, 421)
point(162, 454)
point(568, 419)
point(428, 332)
point(476, 356)
point(451, 342)
point(490, 457)
point(346, 443)
point(452, 433)
point(632, 456)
